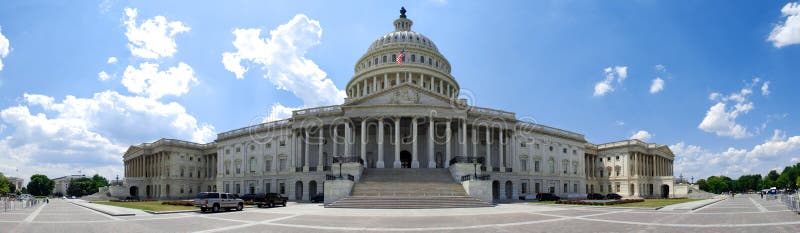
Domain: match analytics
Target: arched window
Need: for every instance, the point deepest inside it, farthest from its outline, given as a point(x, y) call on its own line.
point(384, 58)
point(413, 58)
point(394, 57)
point(376, 61)
point(421, 59)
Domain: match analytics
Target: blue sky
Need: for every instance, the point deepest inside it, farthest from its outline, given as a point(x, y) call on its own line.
point(583, 66)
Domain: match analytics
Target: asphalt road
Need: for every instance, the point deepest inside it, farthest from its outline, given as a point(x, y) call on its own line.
point(742, 214)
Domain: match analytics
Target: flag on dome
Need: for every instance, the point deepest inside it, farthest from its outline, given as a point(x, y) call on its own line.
point(400, 57)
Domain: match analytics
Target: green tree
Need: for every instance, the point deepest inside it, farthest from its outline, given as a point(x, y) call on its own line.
point(718, 184)
point(81, 187)
point(5, 184)
point(702, 185)
point(99, 181)
point(40, 185)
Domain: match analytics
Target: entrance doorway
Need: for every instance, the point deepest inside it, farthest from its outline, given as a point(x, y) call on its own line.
point(298, 190)
point(312, 189)
point(509, 190)
point(665, 191)
point(405, 159)
point(134, 191)
point(495, 190)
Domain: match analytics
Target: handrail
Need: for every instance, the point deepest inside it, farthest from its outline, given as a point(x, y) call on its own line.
point(493, 112)
point(318, 110)
point(466, 159)
point(473, 177)
point(544, 128)
point(348, 159)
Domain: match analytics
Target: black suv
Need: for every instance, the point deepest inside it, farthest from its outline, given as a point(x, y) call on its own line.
point(547, 197)
point(318, 198)
point(613, 196)
point(269, 199)
point(595, 196)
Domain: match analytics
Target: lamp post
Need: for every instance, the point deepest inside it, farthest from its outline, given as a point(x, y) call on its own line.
point(339, 159)
point(475, 167)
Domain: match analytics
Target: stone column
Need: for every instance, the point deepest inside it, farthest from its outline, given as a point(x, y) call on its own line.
point(396, 142)
point(385, 81)
point(321, 147)
point(500, 148)
point(448, 144)
point(347, 138)
point(380, 143)
point(364, 141)
point(335, 140)
point(489, 166)
point(463, 132)
point(474, 141)
point(431, 157)
point(306, 151)
point(414, 155)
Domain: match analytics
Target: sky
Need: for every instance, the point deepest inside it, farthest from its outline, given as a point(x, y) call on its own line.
point(715, 81)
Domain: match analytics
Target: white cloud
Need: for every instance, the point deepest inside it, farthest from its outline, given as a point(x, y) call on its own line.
point(282, 55)
point(111, 60)
point(701, 162)
point(661, 68)
point(5, 47)
point(788, 32)
point(90, 133)
point(721, 117)
point(657, 85)
point(619, 123)
point(148, 80)
point(279, 112)
point(641, 135)
point(618, 73)
point(103, 76)
point(765, 88)
point(154, 38)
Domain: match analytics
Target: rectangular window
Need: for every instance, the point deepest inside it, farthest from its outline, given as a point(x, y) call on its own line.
point(536, 166)
point(537, 187)
point(238, 188)
point(609, 189)
point(268, 166)
point(601, 188)
point(282, 188)
point(537, 146)
point(618, 187)
point(227, 169)
point(267, 188)
point(566, 165)
point(282, 165)
point(575, 188)
point(524, 188)
point(565, 188)
point(283, 142)
point(522, 144)
point(227, 188)
point(183, 170)
point(524, 164)
point(238, 167)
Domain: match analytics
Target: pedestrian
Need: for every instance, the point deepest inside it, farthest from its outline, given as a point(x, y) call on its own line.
point(762, 194)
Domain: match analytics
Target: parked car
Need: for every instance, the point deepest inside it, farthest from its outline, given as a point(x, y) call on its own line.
point(215, 201)
point(250, 197)
point(613, 196)
point(547, 197)
point(270, 200)
point(595, 196)
point(318, 198)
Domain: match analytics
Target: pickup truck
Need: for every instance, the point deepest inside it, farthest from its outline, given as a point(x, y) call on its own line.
point(215, 201)
point(269, 199)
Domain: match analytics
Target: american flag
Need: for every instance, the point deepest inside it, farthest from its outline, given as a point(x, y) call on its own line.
point(400, 57)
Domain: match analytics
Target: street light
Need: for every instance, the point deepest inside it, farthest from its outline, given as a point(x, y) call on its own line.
point(475, 167)
point(338, 158)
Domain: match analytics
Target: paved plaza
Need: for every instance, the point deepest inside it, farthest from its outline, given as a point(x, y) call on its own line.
point(742, 214)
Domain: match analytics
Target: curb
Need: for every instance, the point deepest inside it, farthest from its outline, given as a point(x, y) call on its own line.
point(103, 211)
point(707, 204)
point(179, 211)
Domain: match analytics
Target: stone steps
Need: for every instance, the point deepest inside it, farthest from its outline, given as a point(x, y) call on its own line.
point(393, 188)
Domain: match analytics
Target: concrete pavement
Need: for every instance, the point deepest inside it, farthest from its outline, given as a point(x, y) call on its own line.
point(740, 214)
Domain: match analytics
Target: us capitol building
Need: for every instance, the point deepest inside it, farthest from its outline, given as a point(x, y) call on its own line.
point(403, 120)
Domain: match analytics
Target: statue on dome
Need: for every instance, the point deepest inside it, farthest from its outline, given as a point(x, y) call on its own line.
point(402, 12)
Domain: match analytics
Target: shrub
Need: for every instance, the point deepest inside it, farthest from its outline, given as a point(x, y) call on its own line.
point(180, 203)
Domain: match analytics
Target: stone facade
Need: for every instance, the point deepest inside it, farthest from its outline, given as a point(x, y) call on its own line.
point(62, 183)
point(407, 115)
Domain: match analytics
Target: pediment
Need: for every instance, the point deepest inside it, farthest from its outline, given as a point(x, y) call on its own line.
point(404, 94)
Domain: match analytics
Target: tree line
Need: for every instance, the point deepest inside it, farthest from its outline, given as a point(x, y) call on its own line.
point(789, 178)
point(41, 185)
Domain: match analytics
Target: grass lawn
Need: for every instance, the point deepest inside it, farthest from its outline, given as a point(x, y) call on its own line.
point(655, 202)
point(147, 205)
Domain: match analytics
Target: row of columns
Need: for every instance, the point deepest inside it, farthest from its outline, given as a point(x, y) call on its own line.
point(504, 149)
point(370, 85)
point(651, 165)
